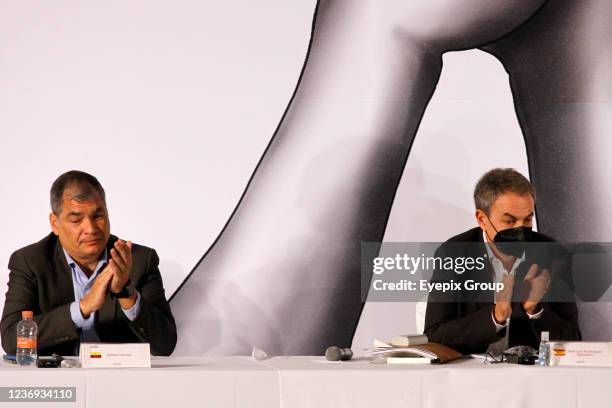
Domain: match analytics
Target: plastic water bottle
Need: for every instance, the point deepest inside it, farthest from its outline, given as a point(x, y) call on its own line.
point(544, 351)
point(27, 330)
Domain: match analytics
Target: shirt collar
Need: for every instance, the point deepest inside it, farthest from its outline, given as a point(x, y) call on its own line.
point(493, 258)
point(72, 263)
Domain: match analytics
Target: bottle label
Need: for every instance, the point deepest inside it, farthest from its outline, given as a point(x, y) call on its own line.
point(24, 342)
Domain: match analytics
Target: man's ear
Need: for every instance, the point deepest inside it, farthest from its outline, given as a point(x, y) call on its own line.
point(480, 219)
point(53, 221)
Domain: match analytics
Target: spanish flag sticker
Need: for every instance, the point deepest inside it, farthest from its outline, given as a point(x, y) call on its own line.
point(559, 352)
point(95, 354)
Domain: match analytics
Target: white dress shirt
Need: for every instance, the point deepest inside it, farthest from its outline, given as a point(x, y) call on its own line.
point(499, 272)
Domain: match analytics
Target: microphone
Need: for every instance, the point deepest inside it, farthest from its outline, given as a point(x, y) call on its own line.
point(334, 353)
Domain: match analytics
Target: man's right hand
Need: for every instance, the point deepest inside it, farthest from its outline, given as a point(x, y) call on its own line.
point(501, 312)
point(503, 300)
point(94, 300)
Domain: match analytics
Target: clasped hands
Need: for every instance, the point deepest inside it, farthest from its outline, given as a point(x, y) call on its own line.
point(113, 277)
point(532, 291)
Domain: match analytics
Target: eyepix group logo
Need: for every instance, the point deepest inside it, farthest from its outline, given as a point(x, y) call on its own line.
point(95, 354)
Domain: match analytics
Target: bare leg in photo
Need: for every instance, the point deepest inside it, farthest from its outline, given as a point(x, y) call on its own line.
point(284, 274)
point(560, 66)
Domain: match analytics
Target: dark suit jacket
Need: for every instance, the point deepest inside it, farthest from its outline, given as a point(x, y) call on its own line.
point(40, 280)
point(464, 322)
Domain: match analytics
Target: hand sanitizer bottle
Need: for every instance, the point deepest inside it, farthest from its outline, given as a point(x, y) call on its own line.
point(544, 351)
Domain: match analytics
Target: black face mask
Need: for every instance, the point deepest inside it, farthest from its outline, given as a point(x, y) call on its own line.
point(511, 241)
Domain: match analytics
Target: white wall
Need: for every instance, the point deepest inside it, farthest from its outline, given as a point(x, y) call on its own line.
point(170, 105)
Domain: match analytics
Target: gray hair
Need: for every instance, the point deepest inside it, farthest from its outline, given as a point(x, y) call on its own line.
point(499, 181)
point(85, 186)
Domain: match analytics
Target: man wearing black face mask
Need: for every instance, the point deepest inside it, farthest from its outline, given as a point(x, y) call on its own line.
point(476, 323)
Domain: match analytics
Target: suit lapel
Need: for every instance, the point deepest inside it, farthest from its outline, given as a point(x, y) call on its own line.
point(64, 287)
point(478, 249)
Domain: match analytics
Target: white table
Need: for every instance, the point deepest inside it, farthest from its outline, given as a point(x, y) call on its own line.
point(313, 382)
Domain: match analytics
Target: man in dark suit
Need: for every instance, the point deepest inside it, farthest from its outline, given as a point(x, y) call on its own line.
point(536, 277)
point(84, 284)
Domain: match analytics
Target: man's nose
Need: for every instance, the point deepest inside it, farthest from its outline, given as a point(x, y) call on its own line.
point(88, 225)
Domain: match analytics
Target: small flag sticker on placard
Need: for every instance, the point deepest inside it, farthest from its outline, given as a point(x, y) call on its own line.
point(95, 354)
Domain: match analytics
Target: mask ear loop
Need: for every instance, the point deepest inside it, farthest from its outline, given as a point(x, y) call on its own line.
point(496, 231)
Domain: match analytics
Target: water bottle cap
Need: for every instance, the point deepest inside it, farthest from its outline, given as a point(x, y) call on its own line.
point(27, 313)
point(544, 336)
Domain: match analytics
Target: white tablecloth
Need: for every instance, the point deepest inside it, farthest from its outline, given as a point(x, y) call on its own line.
point(313, 382)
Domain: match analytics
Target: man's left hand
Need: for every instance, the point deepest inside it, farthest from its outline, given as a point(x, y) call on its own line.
point(535, 287)
point(122, 261)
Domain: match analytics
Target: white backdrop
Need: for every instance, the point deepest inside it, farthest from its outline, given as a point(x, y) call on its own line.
point(171, 104)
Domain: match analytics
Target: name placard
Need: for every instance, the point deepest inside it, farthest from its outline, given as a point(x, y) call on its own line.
point(581, 353)
point(113, 355)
